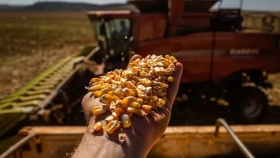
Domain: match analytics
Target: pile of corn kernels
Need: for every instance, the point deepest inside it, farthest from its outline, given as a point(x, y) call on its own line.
point(138, 90)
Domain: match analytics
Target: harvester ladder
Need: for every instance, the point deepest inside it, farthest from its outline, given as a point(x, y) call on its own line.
point(239, 143)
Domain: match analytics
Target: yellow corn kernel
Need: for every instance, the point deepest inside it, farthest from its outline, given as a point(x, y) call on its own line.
point(99, 109)
point(151, 102)
point(159, 72)
point(131, 84)
point(106, 99)
point(146, 82)
point(160, 103)
point(112, 117)
point(118, 125)
point(126, 122)
point(146, 108)
point(125, 102)
point(117, 78)
point(115, 116)
point(94, 88)
point(118, 111)
point(128, 113)
point(128, 92)
point(170, 79)
point(118, 92)
point(164, 98)
point(144, 74)
point(134, 69)
point(96, 127)
point(112, 106)
point(154, 98)
point(139, 100)
point(129, 73)
point(163, 85)
point(146, 70)
point(140, 112)
point(143, 96)
point(111, 126)
point(109, 118)
point(124, 82)
point(111, 93)
point(134, 105)
point(115, 98)
point(98, 94)
point(168, 71)
point(108, 80)
point(95, 80)
point(131, 109)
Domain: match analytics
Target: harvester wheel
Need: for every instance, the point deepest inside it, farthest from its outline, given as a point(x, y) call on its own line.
point(249, 105)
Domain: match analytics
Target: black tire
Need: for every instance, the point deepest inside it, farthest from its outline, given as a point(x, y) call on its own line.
point(248, 106)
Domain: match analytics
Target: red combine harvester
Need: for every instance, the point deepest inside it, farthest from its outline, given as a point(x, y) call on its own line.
point(219, 57)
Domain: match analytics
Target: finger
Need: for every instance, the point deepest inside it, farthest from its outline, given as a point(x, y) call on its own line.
point(87, 103)
point(174, 86)
point(134, 57)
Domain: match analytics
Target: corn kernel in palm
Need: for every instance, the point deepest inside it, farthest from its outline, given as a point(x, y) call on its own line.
point(131, 109)
point(146, 82)
point(134, 105)
point(118, 111)
point(163, 85)
point(154, 98)
point(115, 116)
point(106, 99)
point(95, 80)
point(140, 112)
point(126, 122)
point(139, 100)
point(128, 113)
point(170, 79)
point(118, 92)
point(117, 78)
point(131, 85)
point(144, 74)
point(160, 103)
point(99, 109)
point(125, 102)
point(94, 88)
point(96, 127)
point(146, 108)
point(128, 92)
point(109, 118)
point(98, 94)
point(134, 69)
point(108, 80)
point(111, 126)
point(116, 98)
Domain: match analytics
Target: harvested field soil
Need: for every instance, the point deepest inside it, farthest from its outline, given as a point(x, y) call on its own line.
point(32, 42)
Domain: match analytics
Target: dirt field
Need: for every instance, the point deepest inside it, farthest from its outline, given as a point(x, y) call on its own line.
point(32, 42)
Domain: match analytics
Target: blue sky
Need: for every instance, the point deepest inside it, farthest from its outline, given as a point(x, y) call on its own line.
point(267, 5)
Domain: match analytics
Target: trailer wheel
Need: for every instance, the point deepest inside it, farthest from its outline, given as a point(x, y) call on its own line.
point(249, 105)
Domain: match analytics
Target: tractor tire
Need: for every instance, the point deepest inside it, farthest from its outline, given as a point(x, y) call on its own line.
point(248, 106)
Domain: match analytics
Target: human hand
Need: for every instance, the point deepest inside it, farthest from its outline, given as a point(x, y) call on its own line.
point(144, 132)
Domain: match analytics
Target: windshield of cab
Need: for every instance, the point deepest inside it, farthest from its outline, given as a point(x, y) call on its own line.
point(113, 36)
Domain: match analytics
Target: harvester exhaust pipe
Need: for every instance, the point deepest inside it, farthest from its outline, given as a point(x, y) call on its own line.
point(175, 12)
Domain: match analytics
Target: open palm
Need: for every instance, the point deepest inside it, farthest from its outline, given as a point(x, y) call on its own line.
point(146, 131)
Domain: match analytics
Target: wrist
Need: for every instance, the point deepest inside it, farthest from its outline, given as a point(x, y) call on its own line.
point(103, 145)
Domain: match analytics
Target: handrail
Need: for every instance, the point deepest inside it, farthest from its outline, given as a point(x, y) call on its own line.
point(242, 147)
point(17, 145)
